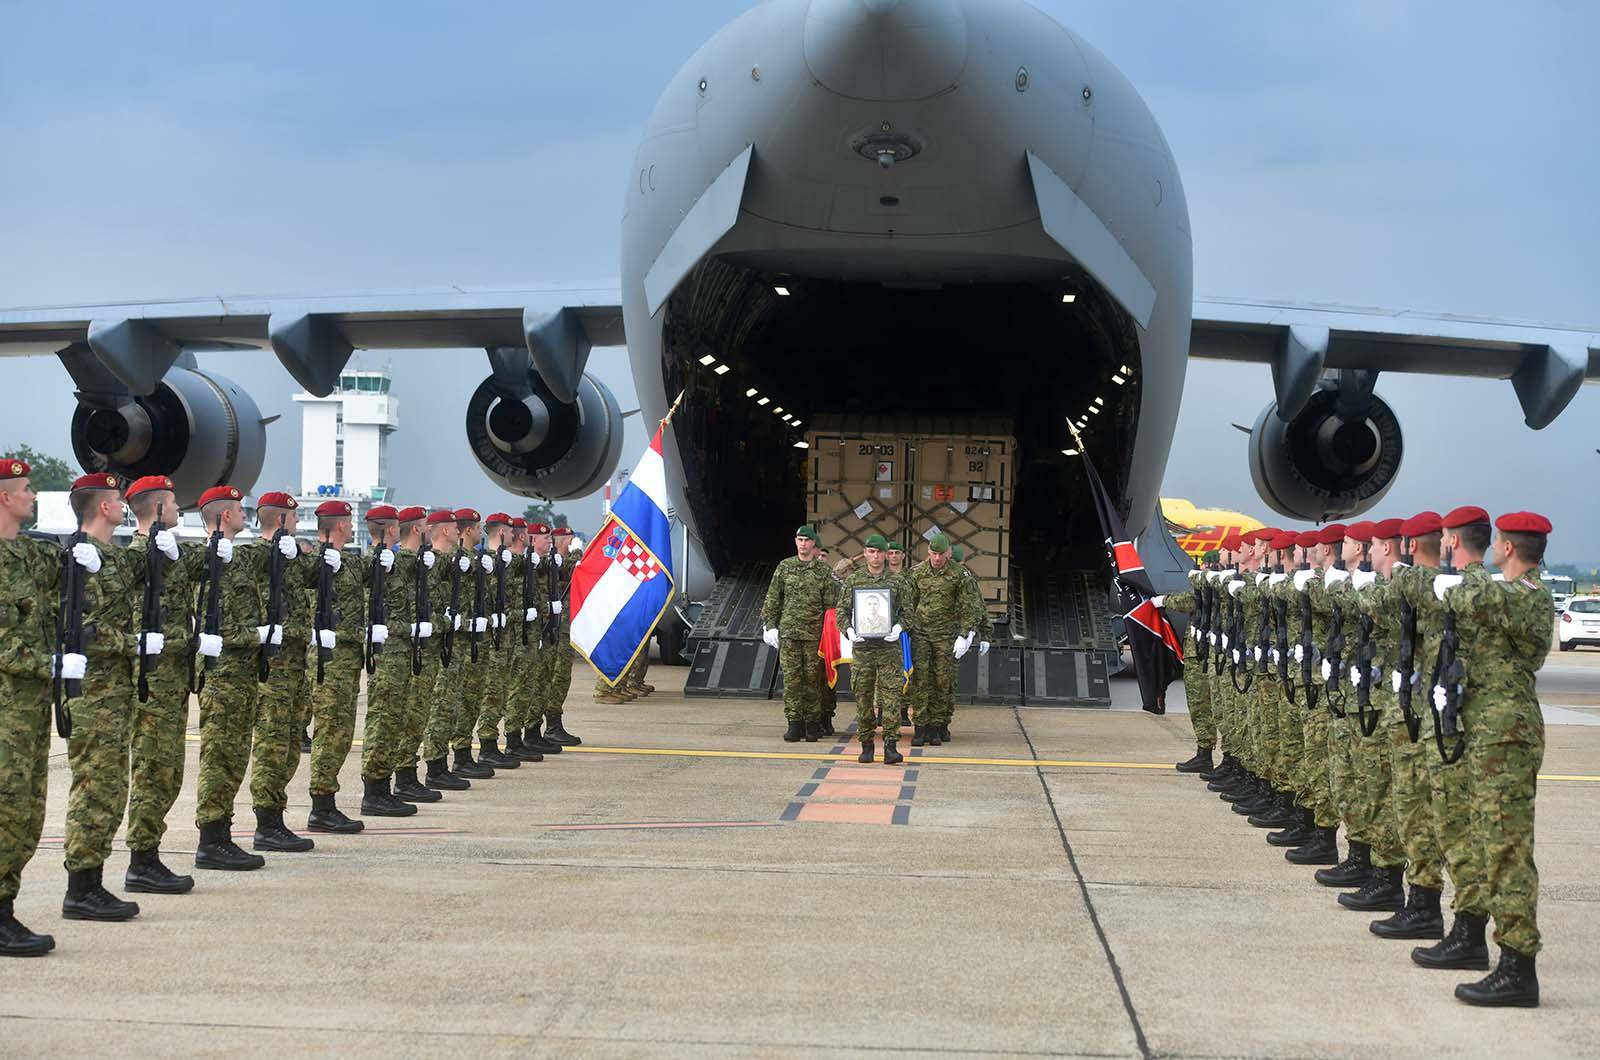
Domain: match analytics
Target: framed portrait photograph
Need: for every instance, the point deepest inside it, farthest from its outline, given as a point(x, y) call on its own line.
point(873, 611)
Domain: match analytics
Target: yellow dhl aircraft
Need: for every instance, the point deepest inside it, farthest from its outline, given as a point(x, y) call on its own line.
point(1197, 530)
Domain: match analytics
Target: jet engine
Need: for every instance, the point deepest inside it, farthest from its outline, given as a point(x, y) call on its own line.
point(1336, 458)
point(199, 430)
point(533, 444)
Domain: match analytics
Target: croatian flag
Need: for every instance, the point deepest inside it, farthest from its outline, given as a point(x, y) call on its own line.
point(623, 585)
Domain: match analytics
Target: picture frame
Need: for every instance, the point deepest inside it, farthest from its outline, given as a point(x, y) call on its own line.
point(872, 611)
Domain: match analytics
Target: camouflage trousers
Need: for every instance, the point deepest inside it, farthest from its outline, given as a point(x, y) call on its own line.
point(493, 709)
point(1316, 777)
point(1411, 805)
point(556, 678)
point(388, 691)
point(97, 753)
point(333, 714)
point(519, 681)
point(227, 716)
point(453, 697)
point(423, 717)
point(1371, 817)
point(156, 756)
point(632, 679)
point(801, 701)
point(936, 686)
point(1504, 782)
point(1197, 693)
point(1341, 772)
point(877, 677)
point(280, 709)
point(1451, 798)
point(24, 770)
point(827, 695)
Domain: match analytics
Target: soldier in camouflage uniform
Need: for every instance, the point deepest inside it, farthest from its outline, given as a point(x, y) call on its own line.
point(333, 701)
point(800, 593)
point(498, 648)
point(28, 578)
point(1196, 682)
point(983, 625)
point(827, 694)
point(389, 689)
point(477, 614)
point(522, 632)
point(565, 551)
point(943, 627)
point(429, 715)
point(539, 577)
point(156, 749)
point(877, 671)
point(455, 600)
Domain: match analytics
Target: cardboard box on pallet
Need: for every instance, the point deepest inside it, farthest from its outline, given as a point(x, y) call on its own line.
point(855, 487)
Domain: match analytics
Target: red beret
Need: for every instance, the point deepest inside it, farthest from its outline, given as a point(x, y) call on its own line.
point(11, 467)
point(1420, 524)
point(1384, 529)
point(563, 531)
point(1332, 534)
point(1465, 515)
point(1361, 531)
point(466, 515)
point(412, 514)
point(538, 528)
point(1307, 538)
point(1523, 523)
point(100, 480)
point(277, 499)
point(1284, 539)
point(327, 508)
point(149, 483)
point(497, 519)
point(220, 493)
point(1267, 533)
point(379, 512)
point(443, 515)
point(1233, 542)
point(519, 523)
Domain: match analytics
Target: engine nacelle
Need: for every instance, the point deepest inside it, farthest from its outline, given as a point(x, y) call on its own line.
point(536, 446)
point(199, 430)
point(1321, 465)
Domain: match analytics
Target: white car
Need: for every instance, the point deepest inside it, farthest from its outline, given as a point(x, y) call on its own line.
point(1580, 622)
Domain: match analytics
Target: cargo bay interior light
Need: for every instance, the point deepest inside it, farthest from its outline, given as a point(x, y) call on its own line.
point(763, 401)
point(1068, 299)
point(801, 445)
point(721, 369)
point(708, 359)
point(1095, 409)
point(752, 392)
point(780, 290)
point(1119, 379)
point(777, 410)
point(1069, 452)
point(1099, 401)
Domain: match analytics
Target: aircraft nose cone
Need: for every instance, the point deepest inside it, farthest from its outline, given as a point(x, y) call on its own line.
point(886, 49)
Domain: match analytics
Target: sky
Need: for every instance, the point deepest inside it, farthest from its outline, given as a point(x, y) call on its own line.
point(1429, 155)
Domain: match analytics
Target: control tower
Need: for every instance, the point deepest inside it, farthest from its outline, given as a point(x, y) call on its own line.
point(344, 445)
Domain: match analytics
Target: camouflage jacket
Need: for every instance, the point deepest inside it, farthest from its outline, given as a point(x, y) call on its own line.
point(1379, 604)
point(400, 593)
point(942, 607)
point(350, 584)
point(862, 578)
point(295, 617)
point(242, 595)
point(111, 603)
point(29, 574)
point(177, 588)
point(1505, 631)
point(798, 596)
point(977, 607)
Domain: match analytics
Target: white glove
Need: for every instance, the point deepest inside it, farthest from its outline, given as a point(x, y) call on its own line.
point(894, 634)
point(326, 638)
point(224, 550)
point(1301, 578)
point(770, 636)
point(1196, 574)
point(1396, 679)
point(287, 547)
point(1362, 579)
point(1213, 576)
point(380, 633)
point(464, 563)
point(1223, 640)
point(72, 666)
point(154, 643)
point(427, 558)
point(500, 620)
point(961, 647)
point(422, 630)
point(168, 544)
point(1299, 653)
point(1327, 670)
point(87, 557)
point(1277, 579)
point(1355, 676)
point(983, 647)
point(555, 607)
point(274, 634)
point(1261, 577)
point(557, 557)
point(1234, 586)
point(480, 624)
point(1258, 653)
point(455, 623)
point(1334, 577)
point(1275, 656)
point(1498, 576)
point(1440, 697)
point(1400, 565)
point(535, 559)
point(486, 561)
point(1159, 601)
point(505, 555)
point(576, 546)
point(1211, 637)
point(210, 645)
point(530, 615)
point(1237, 658)
point(1443, 583)
point(386, 559)
point(850, 634)
point(331, 557)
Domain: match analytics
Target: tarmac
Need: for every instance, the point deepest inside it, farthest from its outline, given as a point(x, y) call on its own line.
point(686, 884)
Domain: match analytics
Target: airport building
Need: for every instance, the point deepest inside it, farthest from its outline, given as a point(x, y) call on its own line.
point(344, 445)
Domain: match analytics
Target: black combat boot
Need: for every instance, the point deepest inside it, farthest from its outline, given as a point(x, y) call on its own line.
point(825, 725)
point(1247, 787)
point(1200, 763)
point(1464, 947)
point(522, 749)
point(217, 850)
point(1229, 771)
point(944, 732)
point(891, 753)
point(919, 735)
point(1352, 871)
point(1420, 919)
point(1263, 800)
point(866, 750)
point(1300, 832)
point(377, 802)
point(555, 733)
point(1322, 849)
point(466, 767)
point(934, 734)
point(273, 834)
point(406, 788)
point(812, 729)
point(1279, 815)
point(534, 740)
point(148, 875)
point(326, 816)
point(440, 778)
point(1513, 983)
point(1211, 773)
point(489, 754)
point(15, 938)
point(1384, 892)
point(87, 898)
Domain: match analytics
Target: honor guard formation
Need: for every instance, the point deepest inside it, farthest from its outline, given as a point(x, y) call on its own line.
point(458, 622)
point(1378, 678)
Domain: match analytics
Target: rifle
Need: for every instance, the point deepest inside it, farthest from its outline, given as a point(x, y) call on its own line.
point(69, 633)
point(1407, 664)
point(1366, 651)
point(1280, 614)
point(552, 621)
point(269, 650)
point(377, 610)
point(1308, 648)
point(424, 610)
point(1202, 625)
point(209, 597)
point(448, 652)
point(150, 618)
point(479, 601)
point(1448, 673)
point(1224, 619)
point(499, 595)
point(326, 619)
point(1333, 653)
point(527, 591)
point(1262, 642)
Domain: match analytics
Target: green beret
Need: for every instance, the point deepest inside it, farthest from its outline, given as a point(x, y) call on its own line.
point(938, 543)
point(958, 553)
point(895, 546)
point(807, 531)
point(877, 541)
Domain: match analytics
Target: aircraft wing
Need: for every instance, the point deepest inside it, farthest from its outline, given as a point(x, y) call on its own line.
point(1545, 363)
point(136, 342)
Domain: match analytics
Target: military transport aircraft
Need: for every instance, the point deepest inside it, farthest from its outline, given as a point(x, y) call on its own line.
point(956, 207)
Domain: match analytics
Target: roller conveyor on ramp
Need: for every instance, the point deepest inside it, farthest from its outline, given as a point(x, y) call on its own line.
point(1056, 647)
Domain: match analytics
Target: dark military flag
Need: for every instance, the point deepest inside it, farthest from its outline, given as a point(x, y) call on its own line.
point(1157, 652)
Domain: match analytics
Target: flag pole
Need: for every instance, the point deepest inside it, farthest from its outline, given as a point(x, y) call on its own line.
point(675, 403)
point(1078, 440)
